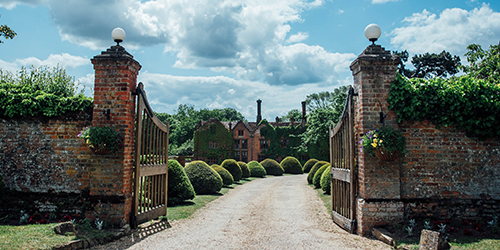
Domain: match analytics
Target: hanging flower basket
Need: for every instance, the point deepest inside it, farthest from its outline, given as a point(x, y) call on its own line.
point(102, 140)
point(383, 155)
point(385, 143)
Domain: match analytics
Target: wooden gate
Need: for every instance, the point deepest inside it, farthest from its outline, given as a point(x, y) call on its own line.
point(151, 163)
point(343, 173)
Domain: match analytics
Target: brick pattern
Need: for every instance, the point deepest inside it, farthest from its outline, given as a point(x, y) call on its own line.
point(44, 156)
point(377, 213)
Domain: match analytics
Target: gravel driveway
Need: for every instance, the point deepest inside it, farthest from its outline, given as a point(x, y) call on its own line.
point(270, 213)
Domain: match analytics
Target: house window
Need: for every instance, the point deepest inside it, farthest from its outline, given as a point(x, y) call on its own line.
point(264, 144)
point(261, 158)
point(212, 160)
point(244, 144)
point(237, 155)
point(212, 145)
point(236, 144)
point(240, 133)
point(244, 156)
point(284, 143)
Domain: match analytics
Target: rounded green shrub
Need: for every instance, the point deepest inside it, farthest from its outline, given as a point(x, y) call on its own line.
point(256, 170)
point(291, 165)
point(203, 178)
point(317, 176)
point(233, 168)
point(308, 165)
point(245, 172)
point(179, 186)
point(326, 181)
point(313, 170)
point(227, 178)
point(272, 167)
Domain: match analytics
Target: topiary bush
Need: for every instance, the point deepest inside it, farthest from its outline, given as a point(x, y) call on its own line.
point(227, 178)
point(245, 172)
point(204, 179)
point(233, 168)
point(179, 186)
point(291, 165)
point(317, 176)
point(308, 165)
point(313, 170)
point(256, 170)
point(326, 181)
point(272, 167)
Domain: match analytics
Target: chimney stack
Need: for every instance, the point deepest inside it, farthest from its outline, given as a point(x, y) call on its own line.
point(304, 114)
point(277, 119)
point(259, 116)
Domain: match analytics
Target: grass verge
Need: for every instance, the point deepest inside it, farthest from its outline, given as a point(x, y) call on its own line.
point(41, 236)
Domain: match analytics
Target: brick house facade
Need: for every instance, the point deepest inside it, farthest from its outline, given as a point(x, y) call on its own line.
point(247, 142)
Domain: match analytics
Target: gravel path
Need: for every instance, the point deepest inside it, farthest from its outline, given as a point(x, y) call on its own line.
point(271, 213)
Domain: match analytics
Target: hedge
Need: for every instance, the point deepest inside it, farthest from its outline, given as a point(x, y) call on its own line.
point(256, 170)
point(245, 172)
point(227, 178)
point(317, 176)
point(203, 178)
point(308, 165)
point(315, 168)
point(179, 186)
point(291, 165)
point(233, 168)
point(272, 167)
point(326, 181)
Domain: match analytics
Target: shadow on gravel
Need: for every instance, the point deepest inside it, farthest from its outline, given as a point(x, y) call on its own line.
point(145, 230)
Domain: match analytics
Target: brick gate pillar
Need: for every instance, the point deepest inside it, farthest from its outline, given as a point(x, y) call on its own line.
point(378, 200)
point(114, 105)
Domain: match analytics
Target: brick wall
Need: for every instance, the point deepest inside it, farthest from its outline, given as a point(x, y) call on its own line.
point(444, 174)
point(44, 155)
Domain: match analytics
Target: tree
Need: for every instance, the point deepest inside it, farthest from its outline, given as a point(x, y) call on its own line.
point(483, 64)
point(325, 100)
point(295, 113)
point(315, 138)
point(429, 65)
point(6, 32)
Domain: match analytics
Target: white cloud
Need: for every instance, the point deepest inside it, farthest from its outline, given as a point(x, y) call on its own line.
point(299, 37)
point(382, 1)
point(166, 92)
point(10, 4)
point(64, 60)
point(452, 30)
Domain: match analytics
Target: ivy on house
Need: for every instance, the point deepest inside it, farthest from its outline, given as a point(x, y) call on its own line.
point(283, 141)
point(218, 133)
point(465, 102)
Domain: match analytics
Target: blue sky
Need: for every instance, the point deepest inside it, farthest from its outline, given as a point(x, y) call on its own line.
point(229, 53)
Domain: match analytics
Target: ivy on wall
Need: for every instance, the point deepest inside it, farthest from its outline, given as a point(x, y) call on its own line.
point(214, 132)
point(465, 102)
point(275, 136)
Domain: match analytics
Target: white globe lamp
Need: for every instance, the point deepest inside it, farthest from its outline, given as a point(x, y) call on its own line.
point(372, 32)
point(118, 35)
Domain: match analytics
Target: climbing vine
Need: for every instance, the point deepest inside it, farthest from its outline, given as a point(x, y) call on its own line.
point(466, 102)
point(275, 135)
point(216, 132)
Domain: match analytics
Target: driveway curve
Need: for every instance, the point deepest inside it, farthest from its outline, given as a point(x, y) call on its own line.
point(270, 213)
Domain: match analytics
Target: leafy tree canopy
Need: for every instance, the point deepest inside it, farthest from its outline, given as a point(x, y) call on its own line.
point(326, 100)
point(483, 64)
point(6, 32)
point(429, 65)
point(295, 113)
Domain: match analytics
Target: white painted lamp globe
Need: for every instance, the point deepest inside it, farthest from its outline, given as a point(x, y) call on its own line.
point(372, 32)
point(118, 35)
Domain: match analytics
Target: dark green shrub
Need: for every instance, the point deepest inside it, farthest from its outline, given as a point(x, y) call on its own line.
point(179, 186)
point(326, 181)
point(203, 178)
point(256, 170)
point(1, 186)
point(308, 165)
point(317, 176)
point(291, 165)
point(272, 167)
point(227, 178)
point(233, 168)
point(313, 170)
point(245, 172)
